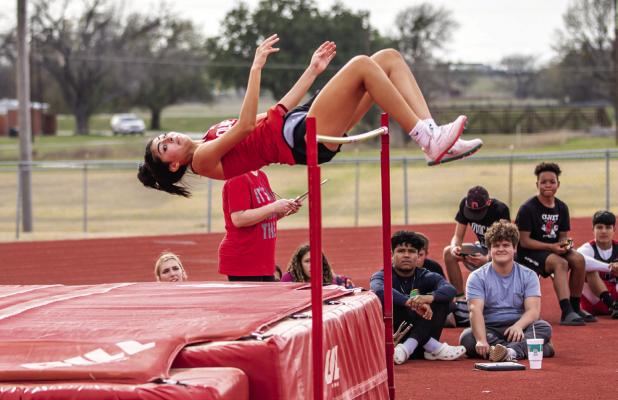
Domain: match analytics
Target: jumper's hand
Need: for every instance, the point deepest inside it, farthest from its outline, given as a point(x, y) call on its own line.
point(323, 56)
point(264, 50)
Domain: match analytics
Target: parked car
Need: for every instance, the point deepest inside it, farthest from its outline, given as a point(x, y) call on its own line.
point(125, 124)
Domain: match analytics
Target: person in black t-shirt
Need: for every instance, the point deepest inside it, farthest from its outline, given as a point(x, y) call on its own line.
point(544, 246)
point(479, 211)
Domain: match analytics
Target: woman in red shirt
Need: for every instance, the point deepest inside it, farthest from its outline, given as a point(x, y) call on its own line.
point(251, 212)
point(251, 142)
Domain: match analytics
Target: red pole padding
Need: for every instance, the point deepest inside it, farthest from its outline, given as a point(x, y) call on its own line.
point(386, 254)
point(315, 243)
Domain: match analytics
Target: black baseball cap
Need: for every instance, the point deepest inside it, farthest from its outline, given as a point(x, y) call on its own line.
point(603, 217)
point(476, 204)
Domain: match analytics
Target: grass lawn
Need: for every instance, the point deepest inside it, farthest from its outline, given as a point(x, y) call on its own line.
point(117, 204)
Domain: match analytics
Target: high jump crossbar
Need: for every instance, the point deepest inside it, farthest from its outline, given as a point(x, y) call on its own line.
point(354, 138)
point(315, 243)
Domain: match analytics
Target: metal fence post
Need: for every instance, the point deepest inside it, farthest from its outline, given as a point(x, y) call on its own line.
point(607, 184)
point(511, 179)
point(209, 222)
point(18, 208)
point(356, 192)
point(85, 215)
point(405, 190)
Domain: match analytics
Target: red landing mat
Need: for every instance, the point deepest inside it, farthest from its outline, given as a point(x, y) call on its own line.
point(129, 332)
point(197, 383)
point(279, 366)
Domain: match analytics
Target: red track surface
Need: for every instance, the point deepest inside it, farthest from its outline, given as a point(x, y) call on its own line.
point(586, 365)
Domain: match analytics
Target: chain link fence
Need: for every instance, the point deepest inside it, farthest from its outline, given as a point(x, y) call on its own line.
point(99, 198)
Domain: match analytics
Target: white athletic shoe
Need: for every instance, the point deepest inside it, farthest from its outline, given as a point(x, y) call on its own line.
point(461, 149)
point(443, 138)
point(446, 353)
point(400, 355)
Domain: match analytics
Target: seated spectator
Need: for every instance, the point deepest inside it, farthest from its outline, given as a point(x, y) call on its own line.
point(458, 311)
point(479, 211)
point(251, 213)
point(299, 270)
point(544, 245)
point(504, 299)
point(425, 311)
point(278, 273)
point(424, 262)
point(601, 255)
point(168, 268)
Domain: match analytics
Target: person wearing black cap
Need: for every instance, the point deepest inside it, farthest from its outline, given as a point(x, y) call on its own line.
point(479, 211)
point(545, 247)
point(601, 254)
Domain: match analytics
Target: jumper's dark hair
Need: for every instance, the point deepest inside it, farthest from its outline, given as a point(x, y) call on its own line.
point(604, 217)
point(407, 237)
point(156, 174)
point(295, 268)
point(502, 230)
point(547, 167)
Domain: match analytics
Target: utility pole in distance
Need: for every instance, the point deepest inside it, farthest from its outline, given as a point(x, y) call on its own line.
point(25, 130)
point(616, 68)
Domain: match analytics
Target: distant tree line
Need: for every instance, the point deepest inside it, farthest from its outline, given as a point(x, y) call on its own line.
point(105, 60)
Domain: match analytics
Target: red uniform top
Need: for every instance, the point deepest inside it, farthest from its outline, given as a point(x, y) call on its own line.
point(264, 146)
point(250, 250)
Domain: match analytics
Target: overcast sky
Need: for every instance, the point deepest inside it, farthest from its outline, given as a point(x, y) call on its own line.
point(488, 29)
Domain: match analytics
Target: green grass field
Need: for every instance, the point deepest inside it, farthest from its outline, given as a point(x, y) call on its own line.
point(118, 204)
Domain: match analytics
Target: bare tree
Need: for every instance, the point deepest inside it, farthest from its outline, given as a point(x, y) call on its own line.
point(170, 67)
point(585, 46)
point(78, 53)
point(521, 70)
point(422, 29)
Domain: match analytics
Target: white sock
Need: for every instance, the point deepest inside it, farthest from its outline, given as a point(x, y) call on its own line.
point(410, 345)
point(421, 134)
point(512, 354)
point(431, 123)
point(432, 345)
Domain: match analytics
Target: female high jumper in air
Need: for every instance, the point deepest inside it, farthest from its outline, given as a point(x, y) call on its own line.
point(252, 141)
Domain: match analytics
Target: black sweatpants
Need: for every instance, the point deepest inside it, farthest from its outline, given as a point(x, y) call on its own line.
point(422, 329)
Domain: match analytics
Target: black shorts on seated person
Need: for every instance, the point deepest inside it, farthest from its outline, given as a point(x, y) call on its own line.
point(535, 259)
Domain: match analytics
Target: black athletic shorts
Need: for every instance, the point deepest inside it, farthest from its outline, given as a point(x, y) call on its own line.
point(535, 260)
point(294, 129)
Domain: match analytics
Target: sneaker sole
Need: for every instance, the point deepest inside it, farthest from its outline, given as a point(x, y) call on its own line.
point(457, 157)
point(463, 126)
point(499, 354)
point(572, 323)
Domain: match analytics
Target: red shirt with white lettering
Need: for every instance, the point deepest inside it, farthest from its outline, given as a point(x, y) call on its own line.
point(250, 250)
point(264, 146)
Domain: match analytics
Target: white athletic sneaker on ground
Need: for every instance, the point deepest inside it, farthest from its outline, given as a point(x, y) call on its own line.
point(446, 353)
point(443, 138)
point(400, 355)
point(461, 149)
